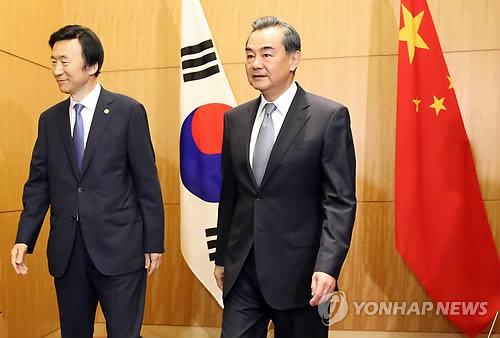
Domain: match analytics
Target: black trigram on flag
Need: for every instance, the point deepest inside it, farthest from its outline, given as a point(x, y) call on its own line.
point(211, 234)
point(199, 61)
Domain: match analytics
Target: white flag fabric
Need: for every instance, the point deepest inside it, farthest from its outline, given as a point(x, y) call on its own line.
point(205, 96)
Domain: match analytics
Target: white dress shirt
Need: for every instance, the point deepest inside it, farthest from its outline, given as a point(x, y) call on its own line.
point(282, 104)
point(89, 102)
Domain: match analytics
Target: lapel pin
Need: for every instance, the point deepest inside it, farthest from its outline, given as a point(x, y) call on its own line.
point(106, 111)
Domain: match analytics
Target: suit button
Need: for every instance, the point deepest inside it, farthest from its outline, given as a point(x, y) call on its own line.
point(259, 198)
point(73, 218)
point(80, 190)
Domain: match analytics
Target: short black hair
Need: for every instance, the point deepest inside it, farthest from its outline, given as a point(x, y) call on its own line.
point(291, 39)
point(92, 51)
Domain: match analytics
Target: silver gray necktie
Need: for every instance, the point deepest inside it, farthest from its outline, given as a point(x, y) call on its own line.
point(264, 144)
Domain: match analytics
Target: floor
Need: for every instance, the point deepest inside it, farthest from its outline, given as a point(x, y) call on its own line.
point(156, 331)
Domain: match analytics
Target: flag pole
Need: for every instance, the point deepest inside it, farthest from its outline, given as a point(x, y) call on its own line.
point(493, 325)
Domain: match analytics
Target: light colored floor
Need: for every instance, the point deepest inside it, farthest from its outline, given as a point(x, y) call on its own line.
point(157, 331)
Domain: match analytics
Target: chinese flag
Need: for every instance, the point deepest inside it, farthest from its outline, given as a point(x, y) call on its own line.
point(442, 231)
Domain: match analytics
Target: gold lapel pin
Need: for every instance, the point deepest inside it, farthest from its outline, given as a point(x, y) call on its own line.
point(106, 111)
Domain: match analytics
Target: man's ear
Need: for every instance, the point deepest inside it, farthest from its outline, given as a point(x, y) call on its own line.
point(294, 60)
point(91, 70)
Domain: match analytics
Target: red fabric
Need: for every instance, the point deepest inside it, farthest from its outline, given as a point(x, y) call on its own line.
point(442, 230)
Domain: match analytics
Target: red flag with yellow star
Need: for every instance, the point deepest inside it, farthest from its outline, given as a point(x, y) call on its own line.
point(442, 230)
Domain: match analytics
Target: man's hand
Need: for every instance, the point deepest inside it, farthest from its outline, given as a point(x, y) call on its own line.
point(152, 262)
point(219, 276)
point(17, 258)
point(322, 283)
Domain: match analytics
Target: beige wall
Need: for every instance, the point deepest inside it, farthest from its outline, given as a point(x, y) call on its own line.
point(28, 305)
point(349, 55)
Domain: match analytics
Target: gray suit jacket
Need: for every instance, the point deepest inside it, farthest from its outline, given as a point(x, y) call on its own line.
point(117, 196)
point(300, 219)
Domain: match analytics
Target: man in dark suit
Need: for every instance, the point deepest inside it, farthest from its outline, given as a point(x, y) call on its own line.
point(287, 201)
point(93, 163)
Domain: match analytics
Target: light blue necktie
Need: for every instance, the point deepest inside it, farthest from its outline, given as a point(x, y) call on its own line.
point(264, 144)
point(78, 138)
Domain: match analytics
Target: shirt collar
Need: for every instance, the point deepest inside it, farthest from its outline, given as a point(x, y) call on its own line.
point(283, 102)
point(89, 101)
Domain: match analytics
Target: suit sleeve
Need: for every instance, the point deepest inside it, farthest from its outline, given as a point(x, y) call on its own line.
point(36, 193)
point(147, 185)
point(339, 193)
point(227, 199)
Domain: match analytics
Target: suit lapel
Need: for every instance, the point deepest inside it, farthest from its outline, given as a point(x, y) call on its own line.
point(295, 119)
point(65, 130)
point(248, 119)
point(99, 123)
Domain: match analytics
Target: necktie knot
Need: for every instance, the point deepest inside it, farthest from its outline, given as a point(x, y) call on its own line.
point(269, 108)
point(78, 108)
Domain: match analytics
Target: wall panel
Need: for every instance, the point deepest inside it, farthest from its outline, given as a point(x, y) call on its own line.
point(30, 307)
point(466, 24)
point(175, 296)
point(25, 28)
point(353, 28)
point(27, 92)
point(349, 55)
point(476, 79)
point(135, 35)
point(28, 303)
point(348, 28)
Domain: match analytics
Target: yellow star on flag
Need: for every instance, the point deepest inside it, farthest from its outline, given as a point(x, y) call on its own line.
point(451, 83)
point(438, 105)
point(409, 32)
point(417, 102)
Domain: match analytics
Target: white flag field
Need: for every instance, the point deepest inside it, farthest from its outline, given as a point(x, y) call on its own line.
point(205, 95)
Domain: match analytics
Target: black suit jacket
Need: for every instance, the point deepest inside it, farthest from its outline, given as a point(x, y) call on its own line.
point(300, 219)
point(117, 195)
